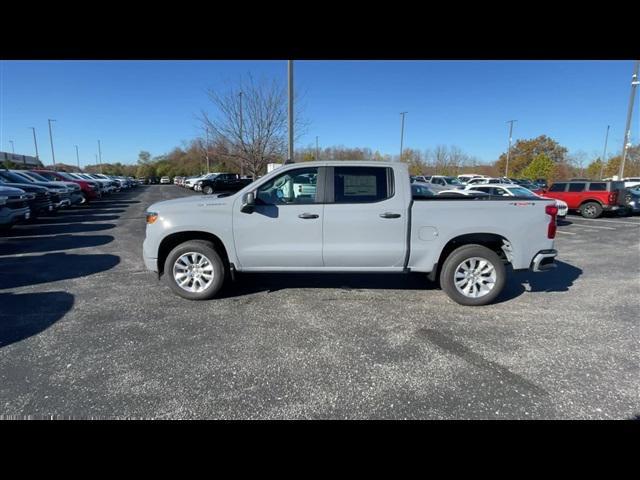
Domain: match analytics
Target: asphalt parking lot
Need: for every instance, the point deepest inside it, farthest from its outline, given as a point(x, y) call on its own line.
point(85, 331)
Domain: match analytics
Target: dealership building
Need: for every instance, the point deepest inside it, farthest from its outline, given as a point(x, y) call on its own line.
point(22, 161)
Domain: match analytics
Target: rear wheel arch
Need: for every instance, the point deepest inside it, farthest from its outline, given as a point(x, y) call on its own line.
point(492, 241)
point(172, 241)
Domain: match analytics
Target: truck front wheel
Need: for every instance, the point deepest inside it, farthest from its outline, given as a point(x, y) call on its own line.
point(194, 270)
point(473, 275)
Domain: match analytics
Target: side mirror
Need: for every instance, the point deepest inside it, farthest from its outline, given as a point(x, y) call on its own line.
point(249, 203)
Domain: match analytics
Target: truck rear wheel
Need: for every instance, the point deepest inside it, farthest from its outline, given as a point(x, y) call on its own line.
point(591, 210)
point(207, 190)
point(194, 270)
point(473, 275)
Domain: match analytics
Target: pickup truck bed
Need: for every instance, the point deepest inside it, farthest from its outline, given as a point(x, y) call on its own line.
point(351, 217)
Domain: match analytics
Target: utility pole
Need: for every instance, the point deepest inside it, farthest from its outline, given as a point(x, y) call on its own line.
point(100, 156)
point(402, 114)
point(241, 139)
point(206, 148)
point(604, 154)
point(317, 150)
point(506, 169)
point(290, 71)
point(78, 157)
point(13, 147)
point(53, 155)
point(627, 130)
point(35, 142)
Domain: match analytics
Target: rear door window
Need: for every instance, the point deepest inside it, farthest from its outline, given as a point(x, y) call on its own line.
point(598, 187)
point(362, 184)
point(576, 187)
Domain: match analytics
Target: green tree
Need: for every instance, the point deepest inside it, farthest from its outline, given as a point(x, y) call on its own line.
point(593, 169)
point(525, 151)
point(540, 167)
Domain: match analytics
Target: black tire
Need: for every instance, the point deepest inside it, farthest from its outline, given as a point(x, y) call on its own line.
point(591, 210)
point(456, 258)
point(201, 247)
point(207, 190)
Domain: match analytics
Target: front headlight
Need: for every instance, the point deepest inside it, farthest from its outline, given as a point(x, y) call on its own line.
point(151, 217)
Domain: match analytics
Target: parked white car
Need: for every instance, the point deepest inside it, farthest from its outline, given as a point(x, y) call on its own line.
point(165, 180)
point(512, 190)
point(631, 182)
point(465, 177)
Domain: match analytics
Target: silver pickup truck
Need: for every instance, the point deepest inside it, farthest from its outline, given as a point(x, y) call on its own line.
point(346, 216)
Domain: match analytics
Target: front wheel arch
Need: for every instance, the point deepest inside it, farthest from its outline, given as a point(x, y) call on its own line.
point(173, 240)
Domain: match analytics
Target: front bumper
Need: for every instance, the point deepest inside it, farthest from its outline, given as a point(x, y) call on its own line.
point(64, 203)
point(150, 262)
point(10, 216)
point(544, 260)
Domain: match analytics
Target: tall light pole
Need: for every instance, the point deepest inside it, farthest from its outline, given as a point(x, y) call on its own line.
point(290, 85)
point(100, 156)
point(35, 142)
point(206, 147)
point(402, 114)
point(241, 138)
point(53, 155)
point(78, 157)
point(627, 129)
point(13, 148)
point(506, 169)
point(317, 149)
point(604, 154)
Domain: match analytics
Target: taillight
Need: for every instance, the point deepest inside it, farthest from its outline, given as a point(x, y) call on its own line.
point(551, 210)
point(613, 196)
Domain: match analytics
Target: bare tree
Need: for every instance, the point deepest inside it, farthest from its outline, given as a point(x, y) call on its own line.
point(251, 124)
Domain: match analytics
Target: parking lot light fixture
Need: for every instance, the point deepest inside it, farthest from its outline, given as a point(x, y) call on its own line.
point(506, 168)
point(627, 129)
point(53, 155)
point(402, 114)
point(35, 142)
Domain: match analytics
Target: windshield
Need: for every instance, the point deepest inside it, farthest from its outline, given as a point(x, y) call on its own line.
point(452, 180)
point(12, 177)
point(521, 192)
point(37, 177)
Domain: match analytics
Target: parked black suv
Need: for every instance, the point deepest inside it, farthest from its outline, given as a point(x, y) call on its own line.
point(224, 183)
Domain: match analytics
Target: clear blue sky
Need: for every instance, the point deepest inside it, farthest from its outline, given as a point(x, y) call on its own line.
point(152, 105)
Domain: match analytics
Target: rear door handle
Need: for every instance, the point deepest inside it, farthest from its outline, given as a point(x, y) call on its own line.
point(390, 215)
point(307, 216)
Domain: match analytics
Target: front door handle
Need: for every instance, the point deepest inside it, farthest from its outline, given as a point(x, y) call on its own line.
point(390, 215)
point(307, 216)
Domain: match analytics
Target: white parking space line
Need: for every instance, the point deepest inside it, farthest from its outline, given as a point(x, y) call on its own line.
point(598, 220)
point(567, 233)
point(593, 226)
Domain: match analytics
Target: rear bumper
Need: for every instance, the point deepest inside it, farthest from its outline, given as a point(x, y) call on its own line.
point(544, 260)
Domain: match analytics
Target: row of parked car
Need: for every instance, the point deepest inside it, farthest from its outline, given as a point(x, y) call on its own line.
point(26, 194)
point(214, 183)
point(590, 198)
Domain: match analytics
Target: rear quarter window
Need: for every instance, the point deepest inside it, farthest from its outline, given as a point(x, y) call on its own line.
point(598, 187)
point(558, 187)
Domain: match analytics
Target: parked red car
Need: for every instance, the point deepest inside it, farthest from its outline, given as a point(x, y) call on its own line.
point(591, 198)
point(89, 189)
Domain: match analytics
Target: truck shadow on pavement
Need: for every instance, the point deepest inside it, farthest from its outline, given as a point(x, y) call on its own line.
point(559, 279)
point(27, 314)
point(32, 270)
point(72, 219)
point(248, 283)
